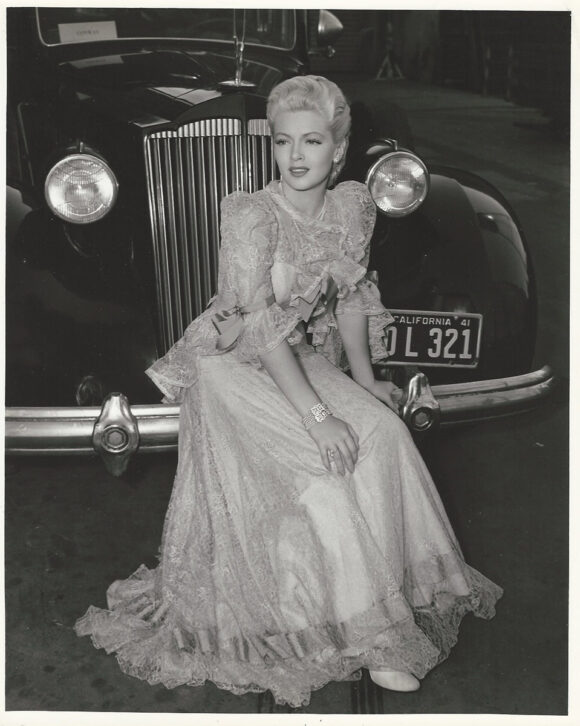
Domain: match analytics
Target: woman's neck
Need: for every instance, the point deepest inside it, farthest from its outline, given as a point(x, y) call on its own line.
point(310, 202)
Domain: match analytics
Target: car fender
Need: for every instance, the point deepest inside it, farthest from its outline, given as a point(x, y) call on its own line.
point(69, 342)
point(463, 250)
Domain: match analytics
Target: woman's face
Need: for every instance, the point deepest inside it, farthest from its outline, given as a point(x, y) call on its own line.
point(304, 149)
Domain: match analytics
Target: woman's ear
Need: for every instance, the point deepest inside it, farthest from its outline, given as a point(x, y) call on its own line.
point(339, 153)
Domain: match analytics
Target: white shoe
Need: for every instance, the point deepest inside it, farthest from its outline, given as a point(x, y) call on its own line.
point(395, 680)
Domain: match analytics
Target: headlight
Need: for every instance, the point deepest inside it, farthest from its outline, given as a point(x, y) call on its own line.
point(80, 188)
point(398, 183)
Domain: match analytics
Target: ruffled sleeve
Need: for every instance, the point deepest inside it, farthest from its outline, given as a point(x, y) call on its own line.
point(248, 241)
point(364, 296)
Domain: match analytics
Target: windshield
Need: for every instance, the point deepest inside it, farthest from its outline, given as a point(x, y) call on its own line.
point(274, 28)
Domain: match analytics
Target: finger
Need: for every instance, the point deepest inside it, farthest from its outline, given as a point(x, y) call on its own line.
point(333, 456)
point(391, 404)
point(353, 444)
point(346, 457)
point(338, 461)
point(353, 433)
point(354, 438)
point(352, 448)
point(325, 459)
point(397, 394)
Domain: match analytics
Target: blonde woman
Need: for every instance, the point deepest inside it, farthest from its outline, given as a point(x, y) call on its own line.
point(304, 538)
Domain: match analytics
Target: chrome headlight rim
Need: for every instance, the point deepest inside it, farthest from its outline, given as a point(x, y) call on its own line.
point(400, 153)
point(92, 217)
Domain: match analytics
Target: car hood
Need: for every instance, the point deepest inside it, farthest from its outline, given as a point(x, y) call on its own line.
point(168, 81)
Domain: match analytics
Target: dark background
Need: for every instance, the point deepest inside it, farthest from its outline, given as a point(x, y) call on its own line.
point(520, 56)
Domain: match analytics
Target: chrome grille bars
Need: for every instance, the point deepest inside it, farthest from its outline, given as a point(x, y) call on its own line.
point(189, 171)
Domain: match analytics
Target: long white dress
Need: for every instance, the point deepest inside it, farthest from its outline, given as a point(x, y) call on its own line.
point(274, 573)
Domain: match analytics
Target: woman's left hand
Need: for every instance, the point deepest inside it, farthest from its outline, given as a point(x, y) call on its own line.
point(388, 393)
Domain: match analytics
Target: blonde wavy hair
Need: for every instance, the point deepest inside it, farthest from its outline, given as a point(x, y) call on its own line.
point(314, 93)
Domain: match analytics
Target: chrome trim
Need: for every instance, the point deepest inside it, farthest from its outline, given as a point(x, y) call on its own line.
point(213, 209)
point(259, 127)
point(155, 195)
point(116, 434)
point(174, 266)
point(424, 407)
point(197, 275)
point(189, 171)
point(202, 129)
point(202, 219)
point(329, 27)
point(462, 403)
point(38, 431)
point(182, 226)
point(399, 214)
point(419, 408)
point(73, 157)
point(70, 430)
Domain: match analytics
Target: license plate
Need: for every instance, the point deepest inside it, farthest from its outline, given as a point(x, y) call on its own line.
point(425, 338)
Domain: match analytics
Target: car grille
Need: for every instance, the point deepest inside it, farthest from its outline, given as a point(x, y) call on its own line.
point(189, 171)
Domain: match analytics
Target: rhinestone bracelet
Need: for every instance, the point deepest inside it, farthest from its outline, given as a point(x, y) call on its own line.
point(317, 414)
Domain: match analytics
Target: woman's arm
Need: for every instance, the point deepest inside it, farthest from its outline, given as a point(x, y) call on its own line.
point(332, 434)
point(353, 329)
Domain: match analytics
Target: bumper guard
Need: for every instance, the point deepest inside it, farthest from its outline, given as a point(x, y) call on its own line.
point(117, 430)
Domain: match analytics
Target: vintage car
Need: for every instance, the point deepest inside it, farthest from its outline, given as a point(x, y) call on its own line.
point(125, 128)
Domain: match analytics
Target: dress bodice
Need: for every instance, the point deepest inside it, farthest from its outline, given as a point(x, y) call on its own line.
point(273, 258)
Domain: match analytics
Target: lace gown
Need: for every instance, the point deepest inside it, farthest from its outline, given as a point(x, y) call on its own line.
point(275, 574)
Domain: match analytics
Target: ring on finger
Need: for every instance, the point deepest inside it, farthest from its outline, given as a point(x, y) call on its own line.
point(331, 454)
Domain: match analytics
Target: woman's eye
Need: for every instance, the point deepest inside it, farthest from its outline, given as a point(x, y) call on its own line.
point(279, 142)
point(314, 141)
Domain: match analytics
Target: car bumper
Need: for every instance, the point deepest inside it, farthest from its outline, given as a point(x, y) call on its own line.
point(117, 430)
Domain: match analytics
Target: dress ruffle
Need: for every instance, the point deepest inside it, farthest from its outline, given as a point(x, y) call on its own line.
point(366, 299)
point(262, 331)
point(139, 629)
point(178, 369)
point(351, 204)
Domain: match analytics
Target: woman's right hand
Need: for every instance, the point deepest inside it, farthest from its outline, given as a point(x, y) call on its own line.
point(335, 435)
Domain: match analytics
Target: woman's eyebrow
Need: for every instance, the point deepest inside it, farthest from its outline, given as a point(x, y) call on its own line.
point(306, 133)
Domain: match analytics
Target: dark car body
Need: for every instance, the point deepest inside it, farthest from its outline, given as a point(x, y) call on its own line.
point(180, 121)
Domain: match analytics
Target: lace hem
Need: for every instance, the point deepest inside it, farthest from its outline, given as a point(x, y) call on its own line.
point(178, 369)
point(150, 645)
point(377, 325)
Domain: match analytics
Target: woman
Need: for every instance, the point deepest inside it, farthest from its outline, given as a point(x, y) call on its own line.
point(304, 537)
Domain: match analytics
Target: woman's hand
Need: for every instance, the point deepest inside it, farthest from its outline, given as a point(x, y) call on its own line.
point(387, 392)
point(336, 436)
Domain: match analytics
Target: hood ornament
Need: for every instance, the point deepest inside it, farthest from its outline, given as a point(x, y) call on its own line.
point(237, 81)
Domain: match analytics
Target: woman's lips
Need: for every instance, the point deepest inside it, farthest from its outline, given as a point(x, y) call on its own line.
point(298, 170)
